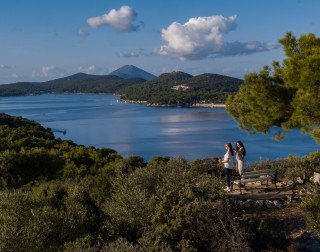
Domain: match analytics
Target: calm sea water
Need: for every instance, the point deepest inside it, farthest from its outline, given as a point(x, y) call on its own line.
point(132, 129)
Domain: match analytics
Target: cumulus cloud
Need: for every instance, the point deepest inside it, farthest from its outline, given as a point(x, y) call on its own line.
point(50, 72)
point(120, 20)
point(204, 36)
point(2, 66)
point(93, 69)
point(53, 71)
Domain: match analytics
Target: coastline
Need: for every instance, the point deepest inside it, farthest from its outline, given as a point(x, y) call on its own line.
point(194, 105)
point(208, 105)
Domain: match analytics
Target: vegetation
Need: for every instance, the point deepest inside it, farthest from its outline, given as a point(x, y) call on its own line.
point(59, 196)
point(311, 206)
point(205, 88)
point(78, 83)
point(288, 96)
point(56, 195)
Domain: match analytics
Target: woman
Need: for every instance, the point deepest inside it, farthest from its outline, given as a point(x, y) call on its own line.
point(240, 154)
point(227, 161)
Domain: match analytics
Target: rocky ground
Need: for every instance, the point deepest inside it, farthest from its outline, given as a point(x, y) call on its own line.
point(277, 210)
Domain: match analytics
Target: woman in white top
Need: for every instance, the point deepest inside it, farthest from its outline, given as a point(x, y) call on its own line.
point(240, 154)
point(227, 161)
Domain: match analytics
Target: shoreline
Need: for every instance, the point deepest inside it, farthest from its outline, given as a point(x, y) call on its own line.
point(194, 105)
point(208, 105)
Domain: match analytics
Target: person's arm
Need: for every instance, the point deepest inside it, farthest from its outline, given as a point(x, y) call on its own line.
point(225, 160)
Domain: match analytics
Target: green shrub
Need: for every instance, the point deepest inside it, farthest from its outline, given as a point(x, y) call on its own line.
point(292, 166)
point(311, 207)
point(80, 244)
point(209, 166)
point(47, 217)
point(172, 203)
point(196, 225)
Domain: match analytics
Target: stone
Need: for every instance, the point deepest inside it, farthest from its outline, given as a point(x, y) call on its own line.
point(259, 203)
point(247, 204)
point(315, 178)
point(269, 204)
point(296, 197)
point(299, 180)
point(240, 203)
point(290, 183)
point(278, 205)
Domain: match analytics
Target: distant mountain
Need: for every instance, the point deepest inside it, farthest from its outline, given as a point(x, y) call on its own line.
point(77, 83)
point(129, 71)
point(182, 89)
point(173, 89)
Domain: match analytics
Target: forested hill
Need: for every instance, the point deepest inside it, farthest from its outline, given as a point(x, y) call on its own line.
point(178, 88)
point(173, 89)
point(80, 82)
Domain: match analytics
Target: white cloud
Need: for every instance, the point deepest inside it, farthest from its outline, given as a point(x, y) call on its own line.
point(82, 32)
point(92, 69)
point(120, 20)
point(204, 36)
point(15, 76)
point(50, 72)
point(2, 66)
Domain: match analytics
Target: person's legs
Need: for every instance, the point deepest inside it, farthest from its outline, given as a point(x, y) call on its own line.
point(240, 167)
point(228, 177)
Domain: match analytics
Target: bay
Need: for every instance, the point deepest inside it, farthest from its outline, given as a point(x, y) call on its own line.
point(100, 120)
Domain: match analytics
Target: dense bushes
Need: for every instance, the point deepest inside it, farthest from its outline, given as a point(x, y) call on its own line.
point(292, 167)
point(162, 206)
point(311, 207)
point(46, 217)
point(76, 198)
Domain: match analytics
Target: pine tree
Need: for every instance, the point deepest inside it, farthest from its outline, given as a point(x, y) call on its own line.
point(287, 96)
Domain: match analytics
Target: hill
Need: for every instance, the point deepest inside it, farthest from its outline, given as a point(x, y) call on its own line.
point(170, 89)
point(129, 71)
point(182, 89)
point(80, 82)
point(67, 197)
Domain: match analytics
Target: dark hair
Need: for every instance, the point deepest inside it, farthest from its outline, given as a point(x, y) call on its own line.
point(241, 145)
point(230, 148)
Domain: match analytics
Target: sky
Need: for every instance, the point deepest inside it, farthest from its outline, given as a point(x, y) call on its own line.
point(44, 40)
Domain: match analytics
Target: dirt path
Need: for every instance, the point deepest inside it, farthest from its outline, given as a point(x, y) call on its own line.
point(276, 209)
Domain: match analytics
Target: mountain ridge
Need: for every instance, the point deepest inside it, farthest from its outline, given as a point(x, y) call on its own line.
point(129, 71)
point(168, 89)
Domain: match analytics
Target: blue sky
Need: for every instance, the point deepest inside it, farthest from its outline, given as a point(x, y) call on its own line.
point(42, 40)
